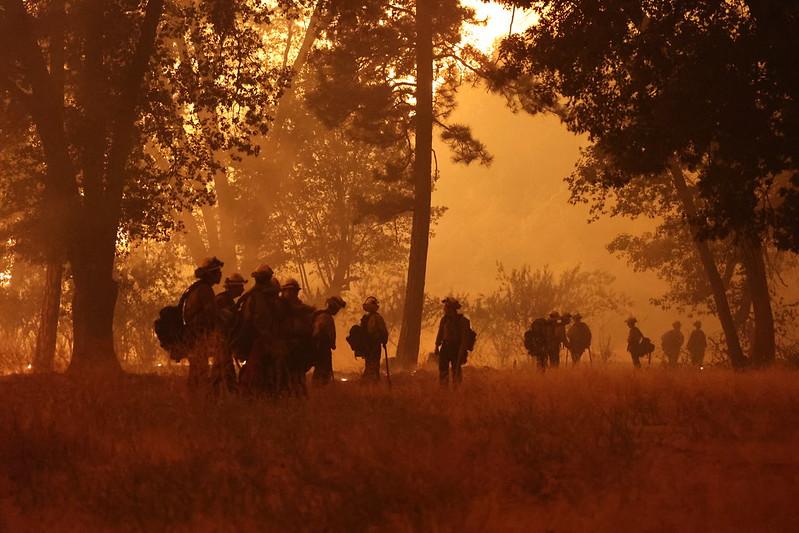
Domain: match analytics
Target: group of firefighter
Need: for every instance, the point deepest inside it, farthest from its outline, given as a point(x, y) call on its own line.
point(266, 339)
point(548, 337)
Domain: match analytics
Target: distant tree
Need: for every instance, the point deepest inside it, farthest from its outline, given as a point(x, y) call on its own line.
point(325, 216)
point(502, 316)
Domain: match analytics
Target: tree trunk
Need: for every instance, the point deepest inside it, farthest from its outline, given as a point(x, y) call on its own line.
point(44, 356)
point(408, 346)
point(225, 211)
point(763, 343)
point(734, 350)
point(93, 303)
point(194, 240)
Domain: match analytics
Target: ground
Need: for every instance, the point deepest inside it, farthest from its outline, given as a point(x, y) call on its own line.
point(577, 450)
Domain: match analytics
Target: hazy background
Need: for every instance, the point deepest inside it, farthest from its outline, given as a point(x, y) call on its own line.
point(516, 211)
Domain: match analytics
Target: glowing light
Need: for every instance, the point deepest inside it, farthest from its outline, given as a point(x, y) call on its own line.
point(30, 367)
point(343, 379)
point(497, 24)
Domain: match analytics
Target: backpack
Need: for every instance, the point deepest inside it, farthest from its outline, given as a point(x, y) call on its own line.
point(646, 346)
point(535, 338)
point(170, 328)
point(358, 339)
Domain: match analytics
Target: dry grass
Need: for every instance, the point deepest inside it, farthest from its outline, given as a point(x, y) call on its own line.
point(604, 450)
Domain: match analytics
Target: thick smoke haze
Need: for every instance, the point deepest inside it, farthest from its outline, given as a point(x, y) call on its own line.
point(516, 211)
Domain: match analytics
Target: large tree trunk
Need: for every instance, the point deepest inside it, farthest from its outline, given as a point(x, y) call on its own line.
point(408, 347)
point(763, 344)
point(44, 356)
point(93, 303)
point(734, 350)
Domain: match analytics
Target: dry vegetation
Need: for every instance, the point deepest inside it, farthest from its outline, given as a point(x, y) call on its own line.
point(603, 450)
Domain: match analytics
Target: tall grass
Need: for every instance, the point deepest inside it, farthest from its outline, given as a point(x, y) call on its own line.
point(575, 450)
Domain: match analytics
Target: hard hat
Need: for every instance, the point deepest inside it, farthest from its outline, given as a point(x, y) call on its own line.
point(291, 284)
point(263, 271)
point(235, 279)
point(337, 301)
point(209, 264)
point(450, 301)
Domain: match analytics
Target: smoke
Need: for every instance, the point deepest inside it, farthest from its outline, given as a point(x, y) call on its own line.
point(516, 211)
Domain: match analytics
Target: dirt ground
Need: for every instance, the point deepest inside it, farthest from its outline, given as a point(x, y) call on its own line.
point(576, 450)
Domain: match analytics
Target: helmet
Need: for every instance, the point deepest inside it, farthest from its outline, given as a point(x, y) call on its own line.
point(337, 301)
point(291, 284)
point(676, 324)
point(370, 302)
point(698, 324)
point(554, 314)
point(577, 316)
point(209, 264)
point(235, 279)
point(450, 301)
point(263, 271)
point(631, 320)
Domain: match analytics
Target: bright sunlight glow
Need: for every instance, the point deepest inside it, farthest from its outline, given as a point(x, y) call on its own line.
point(497, 26)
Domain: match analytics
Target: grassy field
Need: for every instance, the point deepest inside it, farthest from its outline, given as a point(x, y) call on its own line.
point(575, 450)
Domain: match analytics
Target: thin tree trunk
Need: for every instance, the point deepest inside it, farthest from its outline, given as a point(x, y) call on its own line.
point(194, 239)
point(47, 333)
point(211, 228)
point(226, 209)
point(408, 346)
point(763, 344)
point(743, 311)
point(734, 350)
point(46, 336)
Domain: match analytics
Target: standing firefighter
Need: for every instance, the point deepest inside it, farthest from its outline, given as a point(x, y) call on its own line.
point(453, 342)
point(375, 338)
point(672, 342)
point(223, 371)
point(697, 343)
point(299, 334)
point(259, 339)
point(324, 337)
point(579, 338)
point(226, 300)
point(535, 341)
point(637, 344)
point(202, 321)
